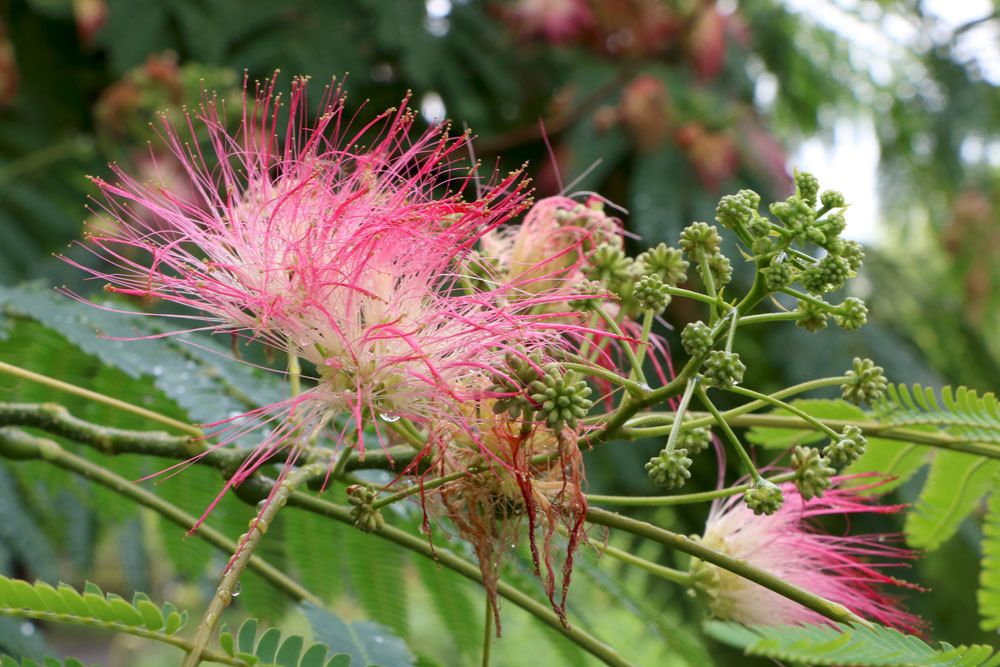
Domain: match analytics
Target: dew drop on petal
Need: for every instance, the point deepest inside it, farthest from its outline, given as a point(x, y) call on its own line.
point(389, 417)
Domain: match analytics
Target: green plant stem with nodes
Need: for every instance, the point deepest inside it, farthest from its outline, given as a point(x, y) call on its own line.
point(778, 403)
point(18, 445)
point(734, 442)
point(647, 329)
point(802, 296)
point(690, 294)
point(224, 593)
point(828, 609)
point(765, 318)
point(681, 498)
point(630, 386)
point(23, 374)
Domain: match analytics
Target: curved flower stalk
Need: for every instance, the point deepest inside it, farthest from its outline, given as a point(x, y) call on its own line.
point(352, 258)
point(845, 569)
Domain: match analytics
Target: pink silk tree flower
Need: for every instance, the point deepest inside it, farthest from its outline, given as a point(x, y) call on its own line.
point(346, 247)
point(788, 544)
point(558, 21)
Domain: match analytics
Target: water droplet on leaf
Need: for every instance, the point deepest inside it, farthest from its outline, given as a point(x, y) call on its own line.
point(389, 417)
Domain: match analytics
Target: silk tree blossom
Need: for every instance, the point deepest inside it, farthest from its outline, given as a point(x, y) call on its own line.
point(842, 568)
point(352, 257)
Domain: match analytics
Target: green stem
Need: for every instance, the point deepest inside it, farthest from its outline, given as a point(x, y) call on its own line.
point(488, 631)
point(763, 318)
point(24, 374)
point(668, 573)
point(730, 436)
point(706, 275)
point(676, 427)
point(802, 296)
point(681, 499)
point(629, 352)
point(294, 374)
point(828, 609)
point(778, 403)
point(690, 294)
point(733, 315)
point(633, 388)
point(18, 445)
point(241, 558)
point(647, 328)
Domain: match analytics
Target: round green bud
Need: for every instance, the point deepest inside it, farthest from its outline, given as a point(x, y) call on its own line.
point(721, 269)
point(732, 211)
point(806, 186)
point(608, 265)
point(366, 518)
point(759, 227)
point(812, 472)
point(851, 314)
point(763, 498)
point(669, 469)
point(813, 280)
point(694, 440)
point(651, 293)
point(834, 224)
point(812, 318)
point(561, 400)
point(762, 246)
point(832, 199)
point(750, 199)
point(520, 370)
point(854, 254)
point(700, 236)
point(814, 234)
point(779, 275)
point(795, 212)
point(847, 449)
point(588, 294)
point(696, 338)
point(723, 369)
point(834, 271)
point(865, 382)
point(666, 262)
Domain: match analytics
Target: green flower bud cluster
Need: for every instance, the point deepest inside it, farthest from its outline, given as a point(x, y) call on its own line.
point(366, 518)
point(694, 440)
point(723, 369)
point(830, 274)
point(832, 199)
point(588, 296)
point(763, 498)
point(806, 186)
point(734, 210)
point(651, 293)
point(521, 371)
point(851, 314)
point(847, 449)
point(866, 382)
point(722, 269)
point(780, 275)
point(669, 468)
point(812, 317)
point(812, 472)
point(609, 265)
point(560, 399)
point(664, 262)
point(696, 338)
point(700, 236)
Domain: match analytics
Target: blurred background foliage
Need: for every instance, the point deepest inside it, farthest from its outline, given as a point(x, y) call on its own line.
point(661, 106)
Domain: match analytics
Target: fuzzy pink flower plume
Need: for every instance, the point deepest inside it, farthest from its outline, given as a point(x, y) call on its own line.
point(350, 256)
point(845, 569)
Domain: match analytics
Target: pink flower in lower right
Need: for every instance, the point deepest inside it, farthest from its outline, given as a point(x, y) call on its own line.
point(790, 544)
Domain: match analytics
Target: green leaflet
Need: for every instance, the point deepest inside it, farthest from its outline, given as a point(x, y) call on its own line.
point(315, 547)
point(365, 642)
point(92, 607)
point(989, 578)
point(960, 411)
point(7, 661)
point(271, 648)
point(843, 644)
point(377, 578)
point(955, 485)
